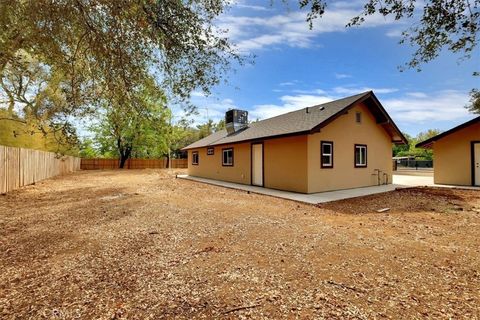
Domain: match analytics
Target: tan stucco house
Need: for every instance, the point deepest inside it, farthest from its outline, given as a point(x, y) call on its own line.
point(457, 154)
point(342, 144)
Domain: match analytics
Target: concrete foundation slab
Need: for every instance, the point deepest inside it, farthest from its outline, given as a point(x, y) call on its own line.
point(313, 198)
point(399, 181)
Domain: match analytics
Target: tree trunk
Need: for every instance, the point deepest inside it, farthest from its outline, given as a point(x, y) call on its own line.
point(124, 156)
point(123, 159)
point(168, 160)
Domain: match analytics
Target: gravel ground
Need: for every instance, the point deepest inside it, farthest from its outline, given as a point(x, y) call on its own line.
point(141, 244)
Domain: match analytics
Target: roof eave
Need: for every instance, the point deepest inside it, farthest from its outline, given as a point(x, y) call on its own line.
point(361, 99)
point(389, 120)
point(429, 142)
point(214, 144)
point(425, 145)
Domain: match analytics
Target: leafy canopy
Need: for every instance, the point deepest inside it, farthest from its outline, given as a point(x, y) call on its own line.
point(67, 59)
point(97, 41)
point(410, 149)
point(133, 123)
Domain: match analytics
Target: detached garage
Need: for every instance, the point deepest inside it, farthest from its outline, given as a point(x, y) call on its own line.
point(457, 154)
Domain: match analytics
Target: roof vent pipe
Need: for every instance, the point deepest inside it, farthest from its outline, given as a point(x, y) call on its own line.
point(306, 109)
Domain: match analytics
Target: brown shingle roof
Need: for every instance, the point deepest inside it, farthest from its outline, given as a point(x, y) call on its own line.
point(296, 122)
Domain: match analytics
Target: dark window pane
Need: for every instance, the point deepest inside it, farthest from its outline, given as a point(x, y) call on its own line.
point(227, 157)
point(358, 117)
point(195, 158)
point(326, 160)
point(327, 148)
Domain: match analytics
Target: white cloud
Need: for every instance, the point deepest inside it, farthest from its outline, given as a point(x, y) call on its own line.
point(251, 33)
point(342, 75)
point(394, 33)
point(198, 94)
point(289, 103)
point(304, 100)
point(351, 4)
point(227, 102)
point(287, 83)
point(252, 7)
point(417, 94)
point(312, 91)
point(265, 111)
point(208, 107)
point(446, 105)
point(259, 42)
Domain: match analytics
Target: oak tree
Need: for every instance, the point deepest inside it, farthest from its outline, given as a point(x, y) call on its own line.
point(133, 123)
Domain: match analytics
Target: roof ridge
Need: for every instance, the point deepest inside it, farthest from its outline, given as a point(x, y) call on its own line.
point(349, 97)
point(316, 105)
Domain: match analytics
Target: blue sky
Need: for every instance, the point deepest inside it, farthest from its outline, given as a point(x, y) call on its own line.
point(296, 67)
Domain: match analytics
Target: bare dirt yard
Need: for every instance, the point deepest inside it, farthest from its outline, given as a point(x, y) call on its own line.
point(141, 244)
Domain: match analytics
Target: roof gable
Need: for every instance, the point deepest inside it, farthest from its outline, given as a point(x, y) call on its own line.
point(429, 142)
point(304, 121)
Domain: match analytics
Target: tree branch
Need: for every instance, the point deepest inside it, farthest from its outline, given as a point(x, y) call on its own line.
point(13, 119)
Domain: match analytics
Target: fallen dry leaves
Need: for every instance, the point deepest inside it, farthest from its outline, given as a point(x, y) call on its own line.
point(141, 244)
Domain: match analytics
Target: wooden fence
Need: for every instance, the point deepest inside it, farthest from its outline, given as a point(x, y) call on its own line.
point(96, 164)
point(20, 167)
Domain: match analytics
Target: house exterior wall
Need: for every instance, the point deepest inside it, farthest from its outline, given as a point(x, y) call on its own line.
point(452, 156)
point(285, 163)
point(210, 166)
point(345, 133)
point(293, 163)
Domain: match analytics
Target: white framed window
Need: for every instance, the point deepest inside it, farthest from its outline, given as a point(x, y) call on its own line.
point(326, 154)
point(227, 157)
point(210, 151)
point(360, 156)
point(195, 158)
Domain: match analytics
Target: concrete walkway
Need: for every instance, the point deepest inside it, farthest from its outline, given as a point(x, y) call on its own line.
point(399, 181)
point(412, 180)
point(420, 181)
point(313, 198)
